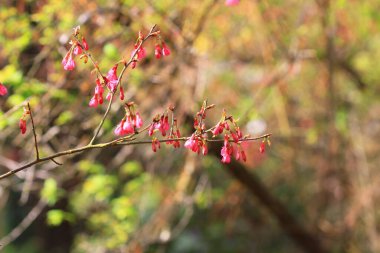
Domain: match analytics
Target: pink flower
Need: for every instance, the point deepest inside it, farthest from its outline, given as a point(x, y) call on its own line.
point(227, 150)
point(226, 156)
point(94, 101)
point(157, 51)
point(155, 144)
point(218, 129)
point(22, 125)
point(174, 135)
point(77, 50)
point(108, 97)
point(68, 62)
point(235, 137)
point(232, 2)
point(138, 120)
point(165, 49)
point(164, 124)
point(204, 149)
point(191, 144)
point(112, 78)
point(98, 95)
point(128, 127)
point(243, 156)
point(85, 45)
point(3, 90)
point(119, 128)
point(141, 53)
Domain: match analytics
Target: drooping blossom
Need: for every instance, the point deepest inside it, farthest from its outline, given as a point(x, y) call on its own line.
point(262, 147)
point(140, 53)
point(239, 154)
point(97, 99)
point(155, 144)
point(119, 128)
point(121, 93)
point(174, 135)
point(227, 150)
point(157, 51)
point(93, 101)
point(129, 123)
point(77, 50)
point(22, 125)
point(85, 45)
point(218, 129)
point(232, 2)
point(109, 95)
point(192, 144)
point(164, 124)
point(204, 149)
point(68, 62)
point(111, 78)
point(165, 49)
point(128, 127)
point(133, 64)
point(138, 120)
point(161, 124)
point(3, 90)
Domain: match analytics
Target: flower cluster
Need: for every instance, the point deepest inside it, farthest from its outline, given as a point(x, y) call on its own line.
point(97, 99)
point(155, 144)
point(131, 121)
point(227, 125)
point(3, 90)
point(76, 48)
point(139, 51)
point(160, 123)
point(228, 150)
point(162, 50)
point(174, 134)
point(197, 144)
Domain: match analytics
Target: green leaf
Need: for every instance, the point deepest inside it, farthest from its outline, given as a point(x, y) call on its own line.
point(64, 118)
point(132, 168)
point(50, 191)
point(55, 217)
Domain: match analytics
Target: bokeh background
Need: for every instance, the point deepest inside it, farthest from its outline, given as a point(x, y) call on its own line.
point(305, 71)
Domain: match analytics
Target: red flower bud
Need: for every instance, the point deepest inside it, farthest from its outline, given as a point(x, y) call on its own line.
point(3, 90)
point(22, 125)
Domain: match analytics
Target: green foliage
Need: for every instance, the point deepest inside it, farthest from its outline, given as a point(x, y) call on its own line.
point(50, 191)
point(56, 216)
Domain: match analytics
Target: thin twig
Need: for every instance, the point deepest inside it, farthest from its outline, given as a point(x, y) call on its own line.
point(119, 141)
point(25, 223)
point(34, 132)
point(54, 161)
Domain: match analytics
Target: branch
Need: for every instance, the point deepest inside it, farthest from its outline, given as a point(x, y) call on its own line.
point(119, 141)
point(34, 132)
point(25, 223)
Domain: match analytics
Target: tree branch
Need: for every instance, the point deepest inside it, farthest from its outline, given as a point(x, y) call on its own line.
point(34, 132)
point(25, 223)
point(119, 141)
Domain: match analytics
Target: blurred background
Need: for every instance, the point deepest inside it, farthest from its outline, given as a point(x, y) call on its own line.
point(305, 71)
